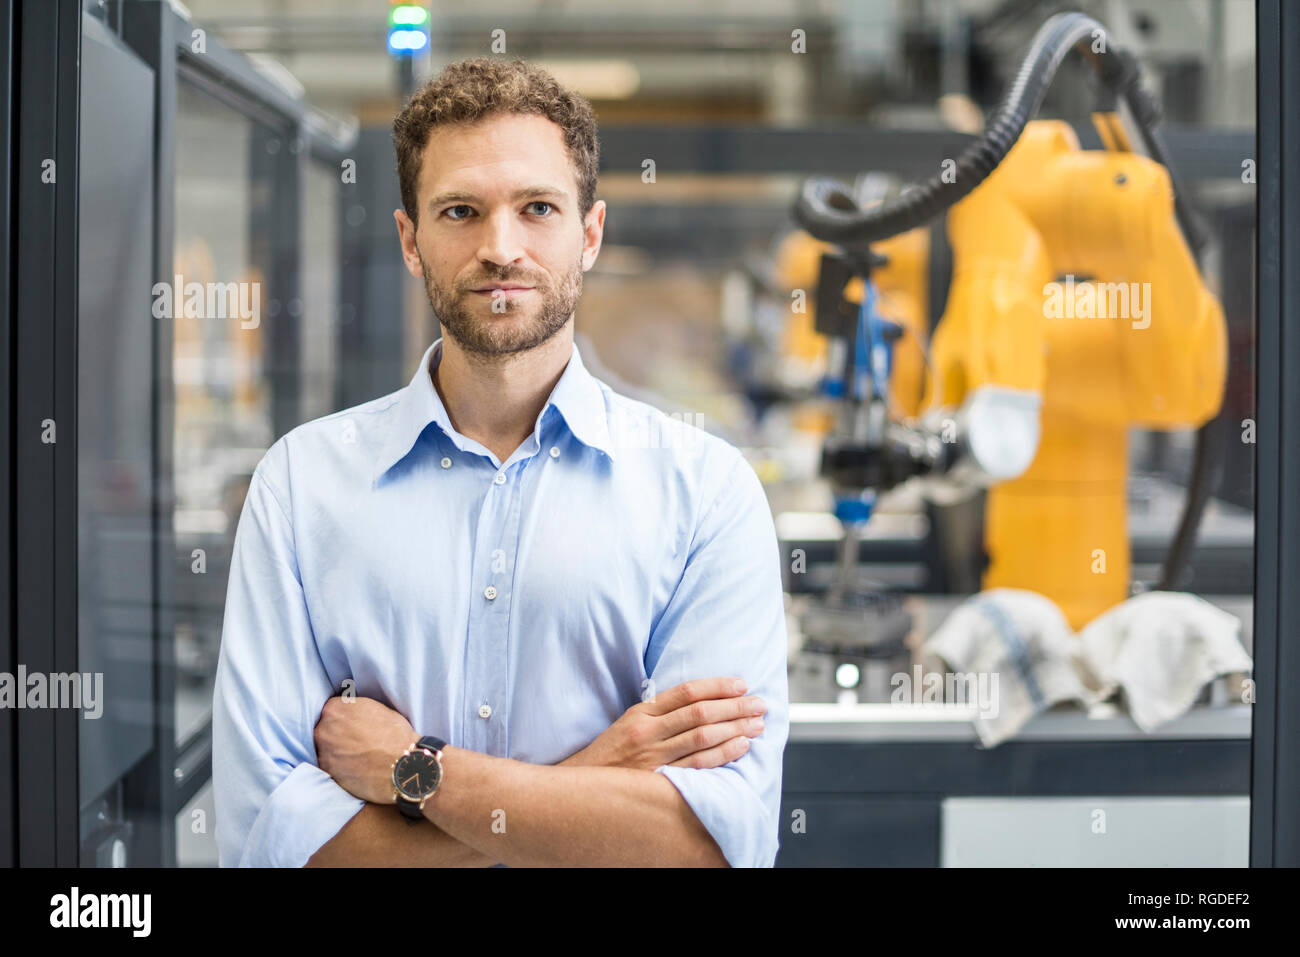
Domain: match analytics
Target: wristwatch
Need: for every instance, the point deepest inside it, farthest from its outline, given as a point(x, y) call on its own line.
point(416, 776)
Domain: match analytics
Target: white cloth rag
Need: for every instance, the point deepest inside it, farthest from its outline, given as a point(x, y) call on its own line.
point(1021, 638)
point(1161, 649)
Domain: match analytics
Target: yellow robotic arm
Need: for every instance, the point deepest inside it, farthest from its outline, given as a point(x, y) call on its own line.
point(1075, 312)
point(1126, 333)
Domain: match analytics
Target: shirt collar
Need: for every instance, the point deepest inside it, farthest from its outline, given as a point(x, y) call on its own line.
point(577, 396)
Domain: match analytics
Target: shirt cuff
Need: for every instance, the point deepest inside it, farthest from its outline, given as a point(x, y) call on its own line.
point(730, 811)
point(301, 815)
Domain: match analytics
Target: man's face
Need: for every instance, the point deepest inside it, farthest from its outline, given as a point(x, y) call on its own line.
point(499, 242)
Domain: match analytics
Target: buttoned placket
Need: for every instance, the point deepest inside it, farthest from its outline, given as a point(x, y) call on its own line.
point(487, 692)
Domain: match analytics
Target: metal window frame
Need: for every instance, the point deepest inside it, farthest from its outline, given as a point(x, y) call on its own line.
point(42, 256)
point(1275, 726)
point(8, 743)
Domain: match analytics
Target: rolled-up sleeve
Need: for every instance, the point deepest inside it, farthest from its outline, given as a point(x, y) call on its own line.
point(727, 617)
point(274, 806)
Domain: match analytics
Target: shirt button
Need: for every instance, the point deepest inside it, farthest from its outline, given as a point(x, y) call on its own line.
point(446, 462)
point(490, 592)
point(555, 453)
point(484, 711)
point(500, 478)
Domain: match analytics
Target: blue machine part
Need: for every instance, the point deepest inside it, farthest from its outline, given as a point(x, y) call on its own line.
point(832, 388)
point(873, 355)
point(855, 510)
point(872, 364)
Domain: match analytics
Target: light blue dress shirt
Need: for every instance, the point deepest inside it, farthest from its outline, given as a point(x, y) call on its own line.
point(513, 608)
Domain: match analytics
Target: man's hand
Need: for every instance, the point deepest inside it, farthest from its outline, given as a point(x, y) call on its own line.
point(704, 723)
point(357, 741)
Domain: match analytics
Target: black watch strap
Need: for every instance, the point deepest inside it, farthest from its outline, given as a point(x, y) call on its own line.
point(409, 808)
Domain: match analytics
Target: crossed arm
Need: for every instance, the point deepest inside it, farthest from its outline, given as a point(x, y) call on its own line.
point(602, 806)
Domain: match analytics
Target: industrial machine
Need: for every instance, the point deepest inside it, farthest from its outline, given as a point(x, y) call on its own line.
point(1076, 310)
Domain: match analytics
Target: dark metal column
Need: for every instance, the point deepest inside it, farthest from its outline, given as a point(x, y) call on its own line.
point(1275, 775)
point(8, 755)
point(45, 396)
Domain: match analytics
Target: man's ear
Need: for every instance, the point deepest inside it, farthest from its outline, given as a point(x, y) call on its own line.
point(593, 231)
point(406, 235)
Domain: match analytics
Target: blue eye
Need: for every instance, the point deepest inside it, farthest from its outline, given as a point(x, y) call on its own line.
point(460, 206)
point(541, 202)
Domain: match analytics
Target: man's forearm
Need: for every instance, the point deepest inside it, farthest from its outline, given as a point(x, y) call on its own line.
point(528, 815)
point(379, 836)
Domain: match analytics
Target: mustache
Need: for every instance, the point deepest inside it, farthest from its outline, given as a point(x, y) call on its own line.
point(514, 277)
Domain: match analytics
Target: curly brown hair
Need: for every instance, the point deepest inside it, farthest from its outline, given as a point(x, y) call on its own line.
point(470, 90)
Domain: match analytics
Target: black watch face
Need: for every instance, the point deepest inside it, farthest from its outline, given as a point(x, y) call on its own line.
point(416, 774)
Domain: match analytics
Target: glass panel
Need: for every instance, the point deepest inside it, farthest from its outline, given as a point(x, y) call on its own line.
point(115, 437)
point(222, 402)
point(225, 383)
point(1027, 620)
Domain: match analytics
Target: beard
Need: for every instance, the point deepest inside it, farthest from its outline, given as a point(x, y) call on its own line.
point(522, 325)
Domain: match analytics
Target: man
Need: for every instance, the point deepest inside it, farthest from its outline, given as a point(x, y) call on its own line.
point(465, 587)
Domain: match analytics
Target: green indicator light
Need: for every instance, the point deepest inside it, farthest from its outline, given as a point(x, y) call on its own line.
point(407, 15)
